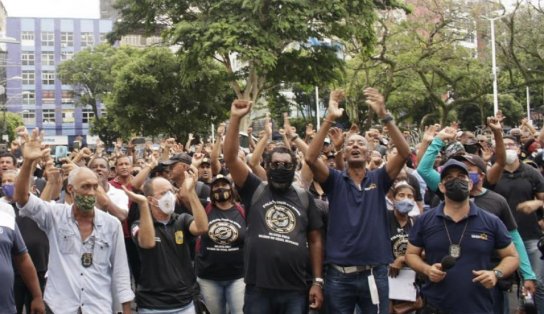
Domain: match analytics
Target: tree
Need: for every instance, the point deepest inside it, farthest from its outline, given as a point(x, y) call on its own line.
point(420, 66)
point(260, 43)
point(152, 95)
point(92, 72)
point(10, 122)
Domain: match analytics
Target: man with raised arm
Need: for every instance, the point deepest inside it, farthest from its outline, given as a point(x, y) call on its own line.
point(87, 253)
point(283, 233)
point(358, 248)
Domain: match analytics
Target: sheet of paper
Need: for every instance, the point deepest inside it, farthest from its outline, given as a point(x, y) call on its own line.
point(402, 287)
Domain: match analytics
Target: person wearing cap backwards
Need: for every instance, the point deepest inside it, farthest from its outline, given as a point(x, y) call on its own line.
point(468, 236)
point(283, 237)
point(358, 244)
point(167, 280)
point(523, 188)
point(219, 253)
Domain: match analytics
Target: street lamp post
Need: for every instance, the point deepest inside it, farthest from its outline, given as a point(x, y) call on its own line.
point(494, 61)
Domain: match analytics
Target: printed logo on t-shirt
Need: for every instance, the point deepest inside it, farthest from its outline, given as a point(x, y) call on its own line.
point(481, 236)
point(179, 237)
point(223, 232)
point(400, 243)
point(280, 218)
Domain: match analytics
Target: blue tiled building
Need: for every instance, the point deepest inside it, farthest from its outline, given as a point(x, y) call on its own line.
point(33, 89)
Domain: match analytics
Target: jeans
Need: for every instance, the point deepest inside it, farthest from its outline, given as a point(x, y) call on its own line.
point(344, 291)
point(188, 309)
point(220, 294)
point(538, 267)
point(23, 297)
point(272, 301)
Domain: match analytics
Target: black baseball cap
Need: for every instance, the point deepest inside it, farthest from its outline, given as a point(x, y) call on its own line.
point(181, 157)
point(450, 164)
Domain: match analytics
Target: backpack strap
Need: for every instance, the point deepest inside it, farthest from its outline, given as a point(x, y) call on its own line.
point(303, 196)
point(241, 210)
point(258, 193)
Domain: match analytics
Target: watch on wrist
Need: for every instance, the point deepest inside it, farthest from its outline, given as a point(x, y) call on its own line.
point(387, 118)
point(318, 281)
point(498, 273)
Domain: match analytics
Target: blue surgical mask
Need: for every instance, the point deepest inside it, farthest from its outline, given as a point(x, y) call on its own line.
point(8, 190)
point(474, 177)
point(405, 206)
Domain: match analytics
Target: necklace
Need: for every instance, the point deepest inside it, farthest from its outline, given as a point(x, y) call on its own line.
point(455, 249)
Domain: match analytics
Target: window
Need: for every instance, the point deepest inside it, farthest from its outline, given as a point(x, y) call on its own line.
point(103, 38)
point(48, 116)
point(48, 97)
point(27, 58)
point(66, 39)
point(48, 78)
point(29, 117)
point(29, 98)
point(67, 97)
point(87, 39)
point(87, 115)
point(48, 58)
point(66, 55)
point(68, 116)
point(28, 77)
point(48, 39)
point(27, 36)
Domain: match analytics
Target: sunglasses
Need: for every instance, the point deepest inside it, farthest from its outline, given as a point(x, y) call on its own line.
point(281, 164)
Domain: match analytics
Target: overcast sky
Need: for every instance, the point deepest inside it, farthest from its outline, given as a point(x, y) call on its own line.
point(53, 8)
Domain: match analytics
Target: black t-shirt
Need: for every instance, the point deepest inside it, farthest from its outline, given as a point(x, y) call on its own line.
point(517, 187)
point(399, 235)
point(276, 252)
point(35, 239)
point(221, 254)
point(412, 180)
point(166, 273)
point(496, 204)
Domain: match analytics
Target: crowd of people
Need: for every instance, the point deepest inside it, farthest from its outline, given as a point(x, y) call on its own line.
point(337, 221)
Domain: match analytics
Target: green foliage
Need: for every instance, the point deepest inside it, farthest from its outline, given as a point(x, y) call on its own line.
point(153, 95)
point(268, 39)
point(12, 121)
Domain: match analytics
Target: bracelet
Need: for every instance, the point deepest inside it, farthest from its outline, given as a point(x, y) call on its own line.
point(330, 121)
point(320, 285)
point(294, 137)
point(318, 282)
point(387, 118)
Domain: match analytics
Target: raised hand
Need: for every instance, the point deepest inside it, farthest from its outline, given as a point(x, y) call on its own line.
point(240, 107)
point(191, 178)
point(494, 123)
point(337, 138)
point(221, 130)
point(430, 133)
point(197, 159)
point(32, 149)
point(134, 197)
point(375, 100)
point(310, 130)
point(447, 133)
point(268, 125)
point(335, 98)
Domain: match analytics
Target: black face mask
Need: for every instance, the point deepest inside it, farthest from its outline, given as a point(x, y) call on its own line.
point(457, 190)
point(280, 179)
point(221, 194)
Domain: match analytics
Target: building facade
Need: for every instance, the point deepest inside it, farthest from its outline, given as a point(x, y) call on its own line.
point(33, 89)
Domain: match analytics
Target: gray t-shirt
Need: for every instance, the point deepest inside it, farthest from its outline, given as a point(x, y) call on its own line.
point(11, 244)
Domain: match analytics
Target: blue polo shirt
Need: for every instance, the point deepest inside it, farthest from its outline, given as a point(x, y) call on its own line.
point(484, 234)
point(358, 229)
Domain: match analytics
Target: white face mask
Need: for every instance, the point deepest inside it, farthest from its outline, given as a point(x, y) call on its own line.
point(511, 156)
point(167, 203)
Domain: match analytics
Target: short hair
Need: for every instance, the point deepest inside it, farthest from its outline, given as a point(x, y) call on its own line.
point(512, 138)
point(75, 172)
point(352, 134)
point(123, 156)
point(10, 155)
point(147, 188)
point(98, 157)
point(280, 150)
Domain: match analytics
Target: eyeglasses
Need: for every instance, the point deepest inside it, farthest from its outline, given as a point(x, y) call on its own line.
point(282, 164)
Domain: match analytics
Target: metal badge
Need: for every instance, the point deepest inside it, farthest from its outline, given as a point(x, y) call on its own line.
point(87, 259)
point(455, 250)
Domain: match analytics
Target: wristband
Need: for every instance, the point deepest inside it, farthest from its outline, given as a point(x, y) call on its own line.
point(318, 282)
point(330, 121)
point(387, 118)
